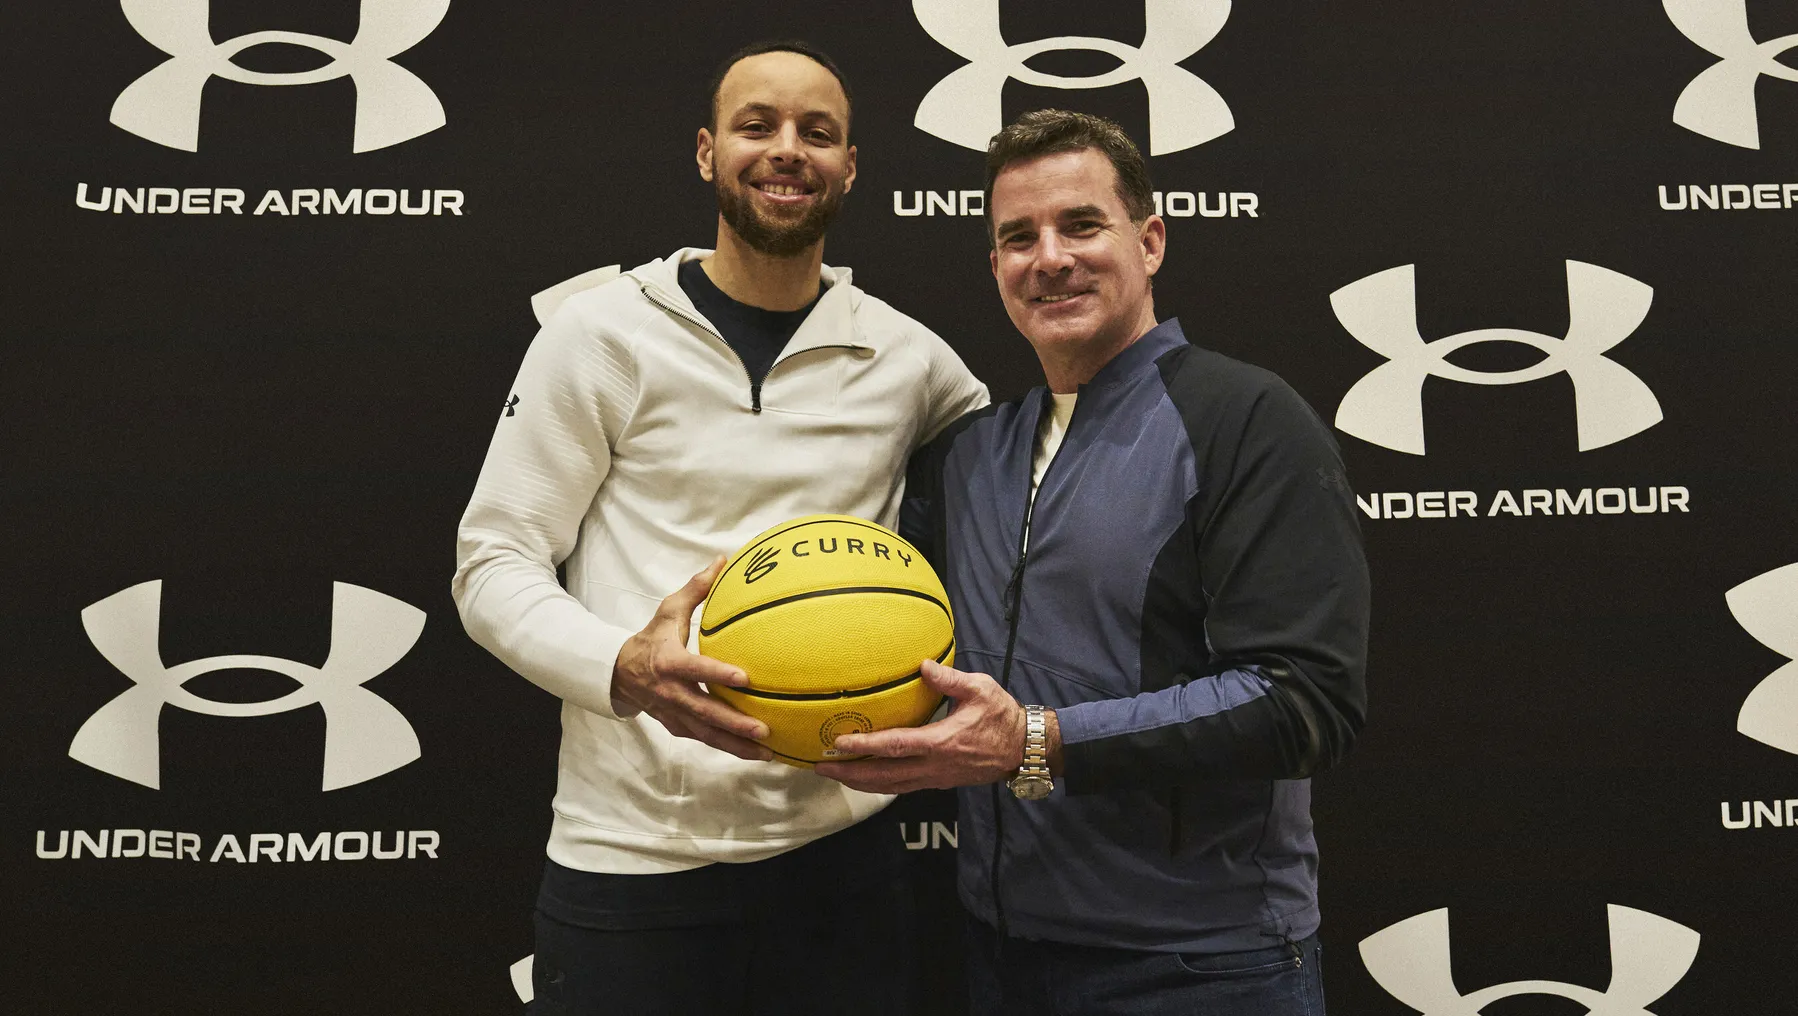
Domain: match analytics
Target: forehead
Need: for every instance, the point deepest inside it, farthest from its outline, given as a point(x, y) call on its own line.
point(789, 82)
point(1043, 186)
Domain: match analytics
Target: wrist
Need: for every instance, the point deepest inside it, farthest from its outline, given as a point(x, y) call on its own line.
point(1033, 780)
point(619, 681)
point(1052, 739)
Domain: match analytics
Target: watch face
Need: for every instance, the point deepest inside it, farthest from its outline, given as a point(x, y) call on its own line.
point(1031, 788)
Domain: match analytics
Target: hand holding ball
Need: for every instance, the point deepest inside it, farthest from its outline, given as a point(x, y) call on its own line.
point(829, 616)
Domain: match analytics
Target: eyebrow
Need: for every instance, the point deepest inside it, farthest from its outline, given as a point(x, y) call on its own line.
point(1010, 226)
point(1076, 212)
point(763, 108)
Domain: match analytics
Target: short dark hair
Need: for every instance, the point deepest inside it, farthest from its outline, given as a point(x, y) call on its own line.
point(1051, 131)
point(804, 49)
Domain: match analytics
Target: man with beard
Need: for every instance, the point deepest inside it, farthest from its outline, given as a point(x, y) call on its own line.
point(659, 421)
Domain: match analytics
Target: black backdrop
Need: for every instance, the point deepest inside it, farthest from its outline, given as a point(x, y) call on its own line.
point(250, 408)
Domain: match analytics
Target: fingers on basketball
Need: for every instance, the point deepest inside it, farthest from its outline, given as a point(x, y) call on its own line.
point(829, 616)
point(720, 714)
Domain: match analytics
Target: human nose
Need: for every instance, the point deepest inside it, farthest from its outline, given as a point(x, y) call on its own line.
point(1052, 254)
point(785, 147)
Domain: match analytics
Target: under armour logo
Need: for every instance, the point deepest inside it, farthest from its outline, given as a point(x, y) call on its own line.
point(1649, 955)
point(365, 736)
point(1386, 406)
point(1719, 103)
point(761, 563)
point(392, 104)
point(512, 406)
point(1767, 608)
point(964, 108)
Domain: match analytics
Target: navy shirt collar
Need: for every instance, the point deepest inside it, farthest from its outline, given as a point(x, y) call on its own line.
point(1139, 354)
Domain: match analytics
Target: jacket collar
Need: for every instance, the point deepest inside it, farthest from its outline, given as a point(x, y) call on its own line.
point(1139, 354)
point(831, 322)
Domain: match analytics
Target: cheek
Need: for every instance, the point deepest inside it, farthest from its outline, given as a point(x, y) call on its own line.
point(732, 161)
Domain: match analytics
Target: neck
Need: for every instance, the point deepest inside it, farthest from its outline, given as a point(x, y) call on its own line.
point(746, 275)
point(1067, 369)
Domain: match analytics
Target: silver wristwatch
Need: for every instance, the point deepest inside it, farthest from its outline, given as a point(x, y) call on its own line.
point(1032, 783)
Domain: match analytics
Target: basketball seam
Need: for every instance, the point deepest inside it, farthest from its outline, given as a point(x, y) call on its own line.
point(819, 696)
point(796, 597)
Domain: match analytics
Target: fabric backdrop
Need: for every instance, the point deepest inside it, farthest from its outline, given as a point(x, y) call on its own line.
point(271, 280)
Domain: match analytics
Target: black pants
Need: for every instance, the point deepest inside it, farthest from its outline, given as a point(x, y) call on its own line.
point(853, 956)
point(828, 928)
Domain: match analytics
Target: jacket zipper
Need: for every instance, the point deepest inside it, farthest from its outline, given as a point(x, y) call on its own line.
point(755, 387)
point(1014, 605)
point(1014, 595)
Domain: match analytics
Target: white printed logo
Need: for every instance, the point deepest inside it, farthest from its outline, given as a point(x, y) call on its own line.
point(1386, 406)
point(392, 104)
point(1767, 608)
point(965, 109)
point(1649, 955)
point(1719, 103)
point(365, 736)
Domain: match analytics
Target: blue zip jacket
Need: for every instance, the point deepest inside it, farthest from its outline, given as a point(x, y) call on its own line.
point(1193, 604)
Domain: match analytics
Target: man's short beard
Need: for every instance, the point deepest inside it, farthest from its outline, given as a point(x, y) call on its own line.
point(775, 239)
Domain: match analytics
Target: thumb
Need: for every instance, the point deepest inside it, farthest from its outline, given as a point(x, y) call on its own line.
point(954, 683)
point(680, 604)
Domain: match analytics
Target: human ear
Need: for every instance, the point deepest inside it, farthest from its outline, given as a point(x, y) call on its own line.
point(1153, 236)
point(704, 155)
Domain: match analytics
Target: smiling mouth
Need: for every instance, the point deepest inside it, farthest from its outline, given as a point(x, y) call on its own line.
point(783, 190)
point(1058, 297)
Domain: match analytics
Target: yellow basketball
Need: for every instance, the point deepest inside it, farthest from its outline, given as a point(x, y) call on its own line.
point(829, 615)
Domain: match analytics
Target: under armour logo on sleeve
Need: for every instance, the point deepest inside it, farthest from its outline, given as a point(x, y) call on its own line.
point(965, 109)
point(392, 104)
point(1386, 406)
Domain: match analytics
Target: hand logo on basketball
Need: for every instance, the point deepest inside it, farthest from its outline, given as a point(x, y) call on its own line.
point(655, 674)
point(980, 741)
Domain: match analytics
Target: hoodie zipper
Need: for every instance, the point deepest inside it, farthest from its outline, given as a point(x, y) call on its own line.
point(755, 387)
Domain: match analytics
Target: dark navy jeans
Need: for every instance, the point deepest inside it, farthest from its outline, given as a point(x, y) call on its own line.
point(1026, 978)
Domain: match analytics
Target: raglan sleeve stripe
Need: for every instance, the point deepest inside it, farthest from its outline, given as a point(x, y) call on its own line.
point(1286, 588)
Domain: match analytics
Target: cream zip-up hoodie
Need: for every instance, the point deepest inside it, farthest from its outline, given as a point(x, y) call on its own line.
point(632, 452)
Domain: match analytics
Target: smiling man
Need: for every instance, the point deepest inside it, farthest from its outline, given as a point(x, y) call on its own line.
point(1161, 599)
point(659, 421)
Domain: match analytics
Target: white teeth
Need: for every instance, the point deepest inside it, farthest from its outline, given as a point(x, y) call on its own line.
point(783, 189)
point(1057, 298)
